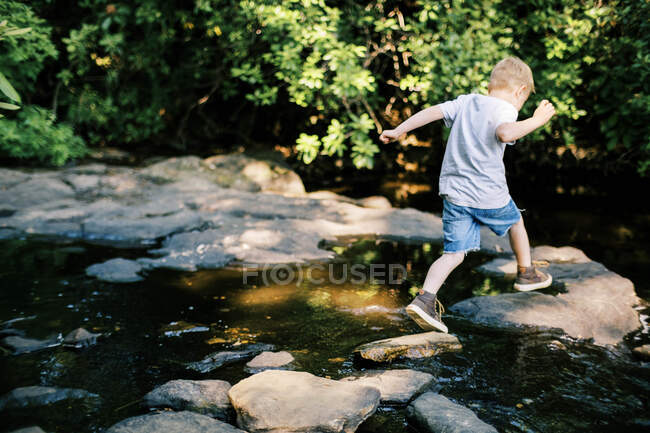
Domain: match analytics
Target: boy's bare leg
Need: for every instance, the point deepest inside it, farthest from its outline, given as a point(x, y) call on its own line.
point(440, 270)
point(519, 243)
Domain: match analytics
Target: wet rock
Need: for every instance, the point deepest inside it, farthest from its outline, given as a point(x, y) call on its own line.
point(175, 329)
point(31, 396)
point(218, 359)
point(277, 400)
point(172, 422)
point(33, 429)
point(395, 386)
point(80, 338)
point(434, 413)
point(208, 397)
point(268, 360)
point(116, 271)
point(597, 304)
point(26, 345)
point(642, 352)
point(409, 346)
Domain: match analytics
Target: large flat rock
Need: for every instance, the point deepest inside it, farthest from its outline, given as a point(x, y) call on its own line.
point(201, 213)
point(435, 413)
point(412, 346)
point(172, 422)
point(291, 401)
point(596, 303)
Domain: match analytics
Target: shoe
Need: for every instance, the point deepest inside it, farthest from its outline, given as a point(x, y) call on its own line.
point(426, 310)
point(530, 278)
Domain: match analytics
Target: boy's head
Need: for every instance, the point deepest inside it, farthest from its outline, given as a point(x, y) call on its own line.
point(512, 75)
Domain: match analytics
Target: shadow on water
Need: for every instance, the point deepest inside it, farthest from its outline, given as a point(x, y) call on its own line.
point(517, 381)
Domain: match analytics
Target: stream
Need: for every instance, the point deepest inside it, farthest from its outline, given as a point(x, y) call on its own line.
point(516, 381)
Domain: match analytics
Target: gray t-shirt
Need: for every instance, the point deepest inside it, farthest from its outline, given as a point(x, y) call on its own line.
point(472, 172)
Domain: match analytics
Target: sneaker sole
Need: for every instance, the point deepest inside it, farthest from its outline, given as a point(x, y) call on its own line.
point(425, 321)
point(534, 286)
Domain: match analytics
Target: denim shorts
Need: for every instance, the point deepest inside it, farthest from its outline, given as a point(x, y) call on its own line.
point(461, 225)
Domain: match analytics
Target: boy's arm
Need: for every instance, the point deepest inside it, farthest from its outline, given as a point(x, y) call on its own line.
point(420, 118)
point(508, 132)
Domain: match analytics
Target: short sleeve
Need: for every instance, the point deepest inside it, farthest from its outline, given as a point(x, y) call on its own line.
point(504, 114)
point(451, 108)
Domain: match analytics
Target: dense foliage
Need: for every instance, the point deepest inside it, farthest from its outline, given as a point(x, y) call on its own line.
point(321, 78)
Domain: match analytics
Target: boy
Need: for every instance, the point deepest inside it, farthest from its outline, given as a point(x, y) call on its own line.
point(472, 180)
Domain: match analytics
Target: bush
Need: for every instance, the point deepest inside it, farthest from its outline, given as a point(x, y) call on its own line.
point(32, 134)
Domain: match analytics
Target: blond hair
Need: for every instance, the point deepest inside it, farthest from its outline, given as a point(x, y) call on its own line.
point(511, 72)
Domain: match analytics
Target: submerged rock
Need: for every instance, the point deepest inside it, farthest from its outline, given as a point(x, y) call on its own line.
point(116, 271)
point(434, 413)
point(80, 338)
point(208, 397)
point(26, 345)
point(34, 429)
point(409, 346)
point(267, 360)
point(292, 401)
point(172, 422)
point(176, 329)
point(218, 359)
point(31, 396)
point(395, 386)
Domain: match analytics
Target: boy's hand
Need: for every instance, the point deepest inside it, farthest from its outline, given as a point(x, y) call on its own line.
point(544, 112)
point(389, 135)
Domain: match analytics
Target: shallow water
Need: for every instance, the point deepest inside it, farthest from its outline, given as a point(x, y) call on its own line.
point(516, 381)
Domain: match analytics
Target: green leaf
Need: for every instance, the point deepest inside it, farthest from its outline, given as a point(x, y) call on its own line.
point(16, 32)
point(8, 89)
point(7, 106)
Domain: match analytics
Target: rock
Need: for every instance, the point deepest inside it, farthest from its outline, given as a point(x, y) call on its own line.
point(27, 345)
point(33, 429)
point(267, 360)
point(116, 271)
point(230, 171)
point(175, 329)
point(172, 422)
point(34, 191)
point(507, 266)
point(9, 178)
point(218, 359)
point(434, 413)
point(597, 304)
point(267, 175)
point(82, 182)
point(409, 346)
point(375, 201)
point(31, 396)
point(499, 267)
point(79, 338)
point(559, 255)
point(208, 397)
point(395, 386)
point(284, 401)
point(643, 352)
point(139, 230)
